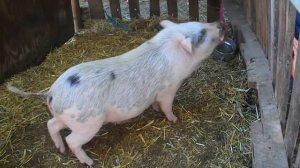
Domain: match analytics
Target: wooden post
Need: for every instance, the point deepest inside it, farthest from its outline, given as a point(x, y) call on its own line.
point(194, 10)
point(287, 14)
point(172, 8)
point(115, 8)
point(76, 15)
point(154, 8)
point(213, 7)
point(96, 9)
point(273, 37)
point(134, 9)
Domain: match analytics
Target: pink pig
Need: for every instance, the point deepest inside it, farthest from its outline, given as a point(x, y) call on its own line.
point(119, 88)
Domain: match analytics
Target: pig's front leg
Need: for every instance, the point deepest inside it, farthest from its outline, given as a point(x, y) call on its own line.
point(164, 103)
point(156, 106)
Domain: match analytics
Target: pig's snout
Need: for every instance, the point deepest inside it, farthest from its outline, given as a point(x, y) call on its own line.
point(221, 28)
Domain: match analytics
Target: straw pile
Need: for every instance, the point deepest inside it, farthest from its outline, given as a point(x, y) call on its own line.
point(212, 131)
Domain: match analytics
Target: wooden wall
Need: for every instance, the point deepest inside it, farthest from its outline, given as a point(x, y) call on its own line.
point(273, 23)
point(29, 30)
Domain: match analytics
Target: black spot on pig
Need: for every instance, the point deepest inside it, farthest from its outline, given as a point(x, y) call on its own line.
point(112, 76)
point(199, 37)
point(98, 71)
point(50, 99)
point(203, 32)
point(202, 35)
point(74, 80)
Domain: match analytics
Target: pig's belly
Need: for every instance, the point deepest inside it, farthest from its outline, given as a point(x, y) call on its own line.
point(114, 114)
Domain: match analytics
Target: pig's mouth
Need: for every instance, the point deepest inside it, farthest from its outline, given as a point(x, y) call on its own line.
point(222, 35)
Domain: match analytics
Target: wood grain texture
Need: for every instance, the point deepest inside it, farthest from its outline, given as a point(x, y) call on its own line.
point(76, 15)
point(297, 162)
point(194, 10)
point(273, 37)
point(293, 121)
point(213, 7)
point(49, 24)
point(154, 8)
point(96, 9)
point(115, 8)
point(134, 8)
point(172, 8)
point(286, 34)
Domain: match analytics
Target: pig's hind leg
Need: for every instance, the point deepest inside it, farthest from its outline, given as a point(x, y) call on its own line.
point(81, 134)
point(54, 126)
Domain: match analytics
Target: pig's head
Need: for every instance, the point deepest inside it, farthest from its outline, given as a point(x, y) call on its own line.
point(195, 39)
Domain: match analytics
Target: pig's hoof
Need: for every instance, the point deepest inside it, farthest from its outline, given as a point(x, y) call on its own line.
point(87, 161)
point(172, 118)
point(61, 147)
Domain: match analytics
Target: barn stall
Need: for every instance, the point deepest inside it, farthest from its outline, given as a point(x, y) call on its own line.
point(215, 106)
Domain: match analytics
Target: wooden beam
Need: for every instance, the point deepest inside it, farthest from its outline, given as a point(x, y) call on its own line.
point(194, 10)
point(258, 145)
point(154, 8)
point(134, 8)
point(172, 8)
point(76, 15)
point(96, 9)
point(115, 8)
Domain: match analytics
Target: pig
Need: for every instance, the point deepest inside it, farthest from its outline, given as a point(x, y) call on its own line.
point(91, 94)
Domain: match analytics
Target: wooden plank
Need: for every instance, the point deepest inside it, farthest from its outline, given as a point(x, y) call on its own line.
point(247, 7)
point(293, 121)
point(273, 27)
point(274, 156)
point(297, 162)
point(76, 15)
point(260, 147)
point(213, 7)
point(115, 8)
point(258, 144)
point(96, 9)
point(172, 8)
point(154, 8)
point(253, 15)
point(287, 15)
point(264, 28)
point(194, 10)
point(134, 8)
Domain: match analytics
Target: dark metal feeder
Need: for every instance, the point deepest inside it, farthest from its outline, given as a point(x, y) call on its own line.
point(225, 51)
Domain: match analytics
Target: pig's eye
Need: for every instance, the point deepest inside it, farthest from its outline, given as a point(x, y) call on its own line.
point(199, 37)
point(203, 32)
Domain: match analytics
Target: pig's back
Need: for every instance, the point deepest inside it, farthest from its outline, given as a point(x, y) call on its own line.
point(126, 82)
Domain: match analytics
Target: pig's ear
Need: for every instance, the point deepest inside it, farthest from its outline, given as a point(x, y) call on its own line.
point(192, 41)
point(186, 44)
point(167, 23)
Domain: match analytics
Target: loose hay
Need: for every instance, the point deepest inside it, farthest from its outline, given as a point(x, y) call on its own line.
point(212, 131)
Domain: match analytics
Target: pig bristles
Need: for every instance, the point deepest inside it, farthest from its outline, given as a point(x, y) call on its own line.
point(22, 93)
